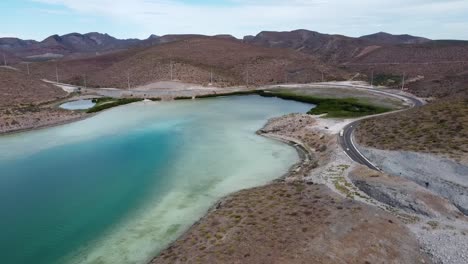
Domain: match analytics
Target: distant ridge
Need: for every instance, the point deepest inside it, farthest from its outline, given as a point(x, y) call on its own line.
point(306, 40)
point(386, 38)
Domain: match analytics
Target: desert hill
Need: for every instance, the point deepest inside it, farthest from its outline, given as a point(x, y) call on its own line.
point(57, 46)
point(192, 60)
point(17, 88)
point(384, 38)
point(422, 62)
point(428, 67)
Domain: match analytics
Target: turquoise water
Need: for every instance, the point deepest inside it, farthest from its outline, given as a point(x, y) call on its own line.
point(120, 186)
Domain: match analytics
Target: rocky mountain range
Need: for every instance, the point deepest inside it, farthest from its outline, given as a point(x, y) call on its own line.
point(57, 46)
point(326, 45)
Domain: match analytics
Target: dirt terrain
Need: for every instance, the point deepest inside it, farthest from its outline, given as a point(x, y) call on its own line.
point(17, 88)
point(440, 129)
point(23, 102)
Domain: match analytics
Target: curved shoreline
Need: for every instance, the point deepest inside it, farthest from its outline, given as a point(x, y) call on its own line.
point(304, 153)
point(60, 123)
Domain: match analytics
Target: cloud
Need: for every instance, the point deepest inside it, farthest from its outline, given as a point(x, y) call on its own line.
point(241, 17)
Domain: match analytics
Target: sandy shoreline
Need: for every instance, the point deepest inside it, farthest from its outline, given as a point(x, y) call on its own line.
point(43, 126)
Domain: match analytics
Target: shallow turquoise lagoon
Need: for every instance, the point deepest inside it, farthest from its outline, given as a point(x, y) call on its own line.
point(120, 186)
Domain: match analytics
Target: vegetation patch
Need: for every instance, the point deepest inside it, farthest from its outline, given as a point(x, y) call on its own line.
point(107, 102)
point(387, 80)
point(183, 98)
point(332, 107)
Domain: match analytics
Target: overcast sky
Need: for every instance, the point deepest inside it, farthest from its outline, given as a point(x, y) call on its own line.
point(37, 19)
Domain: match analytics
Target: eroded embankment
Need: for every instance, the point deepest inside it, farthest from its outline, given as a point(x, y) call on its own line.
point(442, 176)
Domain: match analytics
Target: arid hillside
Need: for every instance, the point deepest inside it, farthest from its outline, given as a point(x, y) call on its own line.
point(386, 39)
point(329, 48)
point(440, 128)
point(195, 60)
point(436, 68)
point(17, 88)
point(57, 46)
point(430, 68)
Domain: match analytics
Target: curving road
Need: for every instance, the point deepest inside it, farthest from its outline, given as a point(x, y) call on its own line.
point(345, 138)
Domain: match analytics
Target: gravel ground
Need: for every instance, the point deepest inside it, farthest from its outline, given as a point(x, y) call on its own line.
point(446, 242)
point(445, 177)
point(444, 238)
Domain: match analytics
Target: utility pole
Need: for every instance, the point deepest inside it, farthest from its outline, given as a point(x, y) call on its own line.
point(27, 67)
point(403, 82)
point(56, 73)
point(247, 77)
point(211, 76)
point(171, 71)
point(372, 79)
point(128, 80)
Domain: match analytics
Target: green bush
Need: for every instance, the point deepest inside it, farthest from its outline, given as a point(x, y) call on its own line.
point(106, 103)
point(183, 98)
point(333, 107)
point(387, 80)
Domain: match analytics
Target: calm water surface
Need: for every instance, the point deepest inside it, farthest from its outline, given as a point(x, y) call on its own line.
point(78, 105)
point(118, 187)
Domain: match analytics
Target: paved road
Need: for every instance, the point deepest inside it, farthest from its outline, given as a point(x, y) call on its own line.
point(346, 138)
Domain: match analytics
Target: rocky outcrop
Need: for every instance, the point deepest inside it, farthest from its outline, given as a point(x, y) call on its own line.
point(401, 193)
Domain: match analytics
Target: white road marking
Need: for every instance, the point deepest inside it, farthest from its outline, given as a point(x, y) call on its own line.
point(348, 155)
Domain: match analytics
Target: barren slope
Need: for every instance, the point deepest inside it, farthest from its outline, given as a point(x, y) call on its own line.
point(429, 68)
point(192, 60)
point(438, 128)
point(17, 88)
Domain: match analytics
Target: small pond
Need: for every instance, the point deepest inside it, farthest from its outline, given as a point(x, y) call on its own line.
point(78, 105)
